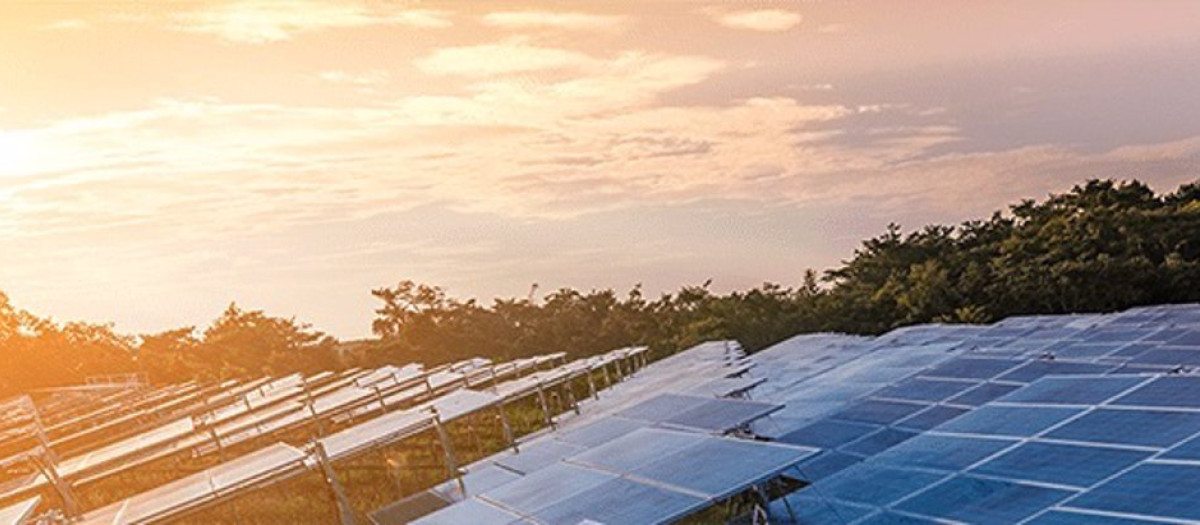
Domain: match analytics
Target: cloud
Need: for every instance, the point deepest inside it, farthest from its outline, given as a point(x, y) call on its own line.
point(553, 20)
point(369, 78)
point(513, 56)
point(266, 21)
point(74, 24)
point(770, 20)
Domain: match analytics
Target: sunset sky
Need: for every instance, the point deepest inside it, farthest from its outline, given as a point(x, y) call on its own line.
point(161, 159)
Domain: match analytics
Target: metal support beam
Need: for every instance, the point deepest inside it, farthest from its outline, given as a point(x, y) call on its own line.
point(592, 384)
point(541, 396)
point(448, 450)
point(346, 513)
point(569, 386)
point(506, 427)
point(65, 493)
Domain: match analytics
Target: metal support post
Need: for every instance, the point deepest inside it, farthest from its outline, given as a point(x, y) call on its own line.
point(448, 450)
point(592, 384)
point(541, 396)
point(507, 428)
point(65, 493)
point(345, 510)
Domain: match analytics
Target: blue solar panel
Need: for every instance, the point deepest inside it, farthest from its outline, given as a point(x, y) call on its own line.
point(1062, 517)
point(930, 417)
point(816, 511)
point(876, 484)
point(721, 415)
point(878, 412)
point(485, 478)
point(469, 511)
point(828, 433)
point(1041, 368)
point(918, 389)
point(1073, 390)
point(1169, 357)
point(545, 487)
point(662, 407)
point(1120, 335)
point(1167, 334)
point(1134, 350)
point(878, 442)
point(1188, 338)
point(981, 394)
point(1169, 491)
point(601, 431)
point(1171, 391)
point(1155, 428)
point(942, 452)
point(1088, 350)
point(716, 467)
point(826, 464)
point(537, 455)
point(620, 501)
point(891, 518)
point(971, 368)
point(637, 448)
point(1075, 465)
point(1009, 421)
point(984, 501)
point(1189, 449)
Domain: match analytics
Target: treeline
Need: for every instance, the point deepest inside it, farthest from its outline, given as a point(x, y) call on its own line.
point(1102, 246)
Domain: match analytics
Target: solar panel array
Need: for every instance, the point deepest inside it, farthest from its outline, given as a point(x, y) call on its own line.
point(1071, 419)
point(1036, 419)
point(444, 400)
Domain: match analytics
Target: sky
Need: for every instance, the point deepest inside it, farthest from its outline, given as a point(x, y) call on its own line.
point(159, 160)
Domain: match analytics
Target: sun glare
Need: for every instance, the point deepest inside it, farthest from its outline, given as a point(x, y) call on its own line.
point(18, 153)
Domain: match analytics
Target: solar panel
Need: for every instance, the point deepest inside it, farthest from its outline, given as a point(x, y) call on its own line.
point(1188, 450)
point(661, 407)
point(718, 468)
point(1188, 338)
point(918, 389)
point(384, 429)
point(648, 476)
point(477, 480)
point(470, 511)
point(1061, 464)
point(879, 441)
point(601, 431)
point(638, 448)
point(878, 412)
point(984, 501)
point(1155, 428)
point(721, 415)
point(1158, 490)
point(930, 417)
point(828, 433)
point(972, 368)
point(950, 453)
point(621, 501)
point(876, 484)
point(1033, 370)
point(1169, 357)
point(1073, 390)
point(1009, 421)
point(17, 513)
point(538, 455)
point(981, 394)
point(1066, 517)
point(546, 487)
point(1168, 391)
point(206, 486)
